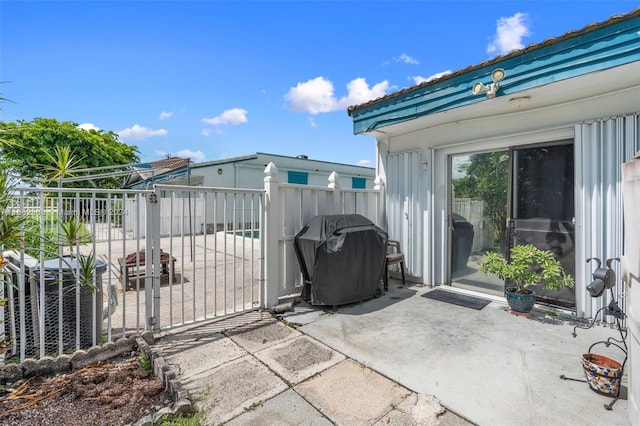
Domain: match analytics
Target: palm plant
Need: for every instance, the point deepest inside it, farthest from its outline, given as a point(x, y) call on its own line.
point(63, 163)
point(73, 232)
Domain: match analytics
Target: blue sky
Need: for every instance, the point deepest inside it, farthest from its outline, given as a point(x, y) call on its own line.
point(216, 79)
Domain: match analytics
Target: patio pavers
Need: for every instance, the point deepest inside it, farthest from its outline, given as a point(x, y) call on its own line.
point(415, 409)
point(191, 359)
point(252, 369)
point(259, 336)
point(351, 394)
point(227, 391)
point(300, 358)
point(288, 408)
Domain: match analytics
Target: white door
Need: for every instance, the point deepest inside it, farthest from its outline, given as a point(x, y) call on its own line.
point(403, 209)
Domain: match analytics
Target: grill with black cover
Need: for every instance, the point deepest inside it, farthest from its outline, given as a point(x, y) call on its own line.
point(342, 258)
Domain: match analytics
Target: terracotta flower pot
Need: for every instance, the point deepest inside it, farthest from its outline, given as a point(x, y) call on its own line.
point(603, 373)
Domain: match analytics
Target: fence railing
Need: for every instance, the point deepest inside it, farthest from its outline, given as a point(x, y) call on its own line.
point(159, 258)
point(53, 306)
point(103, 212)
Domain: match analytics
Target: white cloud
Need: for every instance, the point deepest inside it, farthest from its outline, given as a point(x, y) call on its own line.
point(509, 34)
point(137, 132)
point(419, 79)
point(232, 116)
point(317, 95)
point(193, 155)
point(312, 122)
point(360, 93)
point(206, 132)
point(88, 126)
point(165, 114)
point(365, 163)
point(314, 96)
point(406, 59)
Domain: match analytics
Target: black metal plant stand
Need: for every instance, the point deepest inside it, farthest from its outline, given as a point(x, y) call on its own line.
point(604, 278)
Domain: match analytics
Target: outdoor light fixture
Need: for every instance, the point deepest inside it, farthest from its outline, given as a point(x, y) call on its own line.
point(603, 278)
point(497, 75)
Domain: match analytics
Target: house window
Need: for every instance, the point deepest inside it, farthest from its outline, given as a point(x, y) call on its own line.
point(358, 183)
point(299, 177)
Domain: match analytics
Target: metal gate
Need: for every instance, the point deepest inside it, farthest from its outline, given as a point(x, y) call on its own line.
point(211, 253)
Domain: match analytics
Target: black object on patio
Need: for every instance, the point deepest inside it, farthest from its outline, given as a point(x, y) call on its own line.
point(342, 258)
point(461, 242)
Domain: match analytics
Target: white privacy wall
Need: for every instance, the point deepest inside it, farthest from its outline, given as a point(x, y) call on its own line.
point(601, 147)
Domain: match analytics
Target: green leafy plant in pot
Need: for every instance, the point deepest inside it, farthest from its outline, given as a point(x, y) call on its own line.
point(528, 265)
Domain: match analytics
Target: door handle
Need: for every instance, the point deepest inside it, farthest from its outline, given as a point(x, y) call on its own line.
point(406, 216)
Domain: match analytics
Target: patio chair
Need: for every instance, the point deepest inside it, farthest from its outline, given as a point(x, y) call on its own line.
point(394, 256)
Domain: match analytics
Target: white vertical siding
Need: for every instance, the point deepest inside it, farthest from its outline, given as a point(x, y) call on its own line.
point(405, 220)
point(601, 146)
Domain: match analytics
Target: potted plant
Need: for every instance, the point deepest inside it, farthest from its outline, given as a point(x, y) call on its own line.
point(528, 265)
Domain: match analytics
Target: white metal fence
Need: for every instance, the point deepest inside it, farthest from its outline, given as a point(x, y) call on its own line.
point(162, 258)
point(290, 207)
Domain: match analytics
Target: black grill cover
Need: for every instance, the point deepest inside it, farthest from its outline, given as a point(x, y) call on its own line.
point(342, 258)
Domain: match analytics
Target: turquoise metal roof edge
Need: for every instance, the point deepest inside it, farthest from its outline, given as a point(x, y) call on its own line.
point(607, 47)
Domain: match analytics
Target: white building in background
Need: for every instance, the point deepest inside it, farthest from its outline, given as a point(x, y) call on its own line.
point(248, 172)
point(183, 212)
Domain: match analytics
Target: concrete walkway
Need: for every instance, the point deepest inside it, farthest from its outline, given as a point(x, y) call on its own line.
point(256, 370)
point(401, 359)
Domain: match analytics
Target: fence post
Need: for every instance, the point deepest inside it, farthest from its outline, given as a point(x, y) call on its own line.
point(378, 185)
point(273, 230)
point(334, 183)
point(152, 262)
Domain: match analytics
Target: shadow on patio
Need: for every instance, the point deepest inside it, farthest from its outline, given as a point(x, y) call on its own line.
point(486, 365)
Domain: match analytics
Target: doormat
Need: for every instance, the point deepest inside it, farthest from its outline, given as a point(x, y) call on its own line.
point(457, 299)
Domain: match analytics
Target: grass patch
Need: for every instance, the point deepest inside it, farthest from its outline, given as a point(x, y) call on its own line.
point(145, 363)
point(196, 419)
point(253, 406)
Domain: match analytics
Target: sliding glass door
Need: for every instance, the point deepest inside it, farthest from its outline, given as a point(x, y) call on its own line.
point(542, 208)
point(478, 217)
point(505, 198)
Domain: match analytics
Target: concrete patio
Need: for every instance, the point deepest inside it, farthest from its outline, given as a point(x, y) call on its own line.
point(384, 360)
point(487, 365)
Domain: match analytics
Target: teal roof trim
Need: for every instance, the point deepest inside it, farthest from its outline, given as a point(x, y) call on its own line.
point(606, 47)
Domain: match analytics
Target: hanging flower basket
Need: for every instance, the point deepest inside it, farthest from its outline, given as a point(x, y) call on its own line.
point(603, 373)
